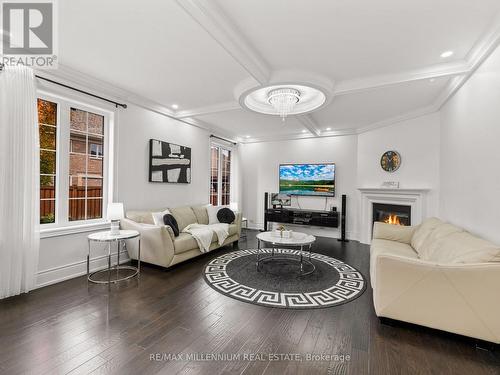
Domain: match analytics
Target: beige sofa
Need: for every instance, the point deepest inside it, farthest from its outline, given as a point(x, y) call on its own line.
point(158, 243)
point(437, 275)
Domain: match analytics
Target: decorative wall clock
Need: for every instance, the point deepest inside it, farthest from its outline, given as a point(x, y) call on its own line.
point(390, 161)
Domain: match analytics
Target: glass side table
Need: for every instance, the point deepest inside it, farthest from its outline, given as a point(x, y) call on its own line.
point(107, 237)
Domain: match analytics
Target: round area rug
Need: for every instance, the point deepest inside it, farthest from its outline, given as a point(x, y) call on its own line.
point(278, 283)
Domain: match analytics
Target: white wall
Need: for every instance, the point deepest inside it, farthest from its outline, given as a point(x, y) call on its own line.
point(136, 126)
point(470, 153)
point(64, 257)
point(260, 162)
point(417, 141)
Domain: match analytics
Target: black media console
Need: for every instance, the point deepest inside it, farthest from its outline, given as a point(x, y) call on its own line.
point(301, 217)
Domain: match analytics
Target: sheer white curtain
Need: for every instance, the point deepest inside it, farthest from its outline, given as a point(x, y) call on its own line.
point(19, 181)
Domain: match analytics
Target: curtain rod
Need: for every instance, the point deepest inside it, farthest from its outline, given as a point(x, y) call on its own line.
point(223, 139)
point(83, 92)
point(2, 66)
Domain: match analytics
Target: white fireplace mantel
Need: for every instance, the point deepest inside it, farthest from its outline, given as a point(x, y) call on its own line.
point(415, 198)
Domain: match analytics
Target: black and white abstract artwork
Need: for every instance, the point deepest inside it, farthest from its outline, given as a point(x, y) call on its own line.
point(169, 162)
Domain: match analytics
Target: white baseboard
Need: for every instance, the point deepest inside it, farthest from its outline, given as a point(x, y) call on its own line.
point(69, 271)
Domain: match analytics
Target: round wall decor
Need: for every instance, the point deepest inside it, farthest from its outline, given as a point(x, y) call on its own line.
point(390, 161)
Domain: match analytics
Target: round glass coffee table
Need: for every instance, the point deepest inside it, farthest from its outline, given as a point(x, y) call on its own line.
point(297, 240)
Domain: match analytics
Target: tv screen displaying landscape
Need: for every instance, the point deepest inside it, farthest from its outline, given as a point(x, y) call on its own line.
point(307, 179)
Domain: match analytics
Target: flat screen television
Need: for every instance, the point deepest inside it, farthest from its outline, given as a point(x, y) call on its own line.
point(308, 179)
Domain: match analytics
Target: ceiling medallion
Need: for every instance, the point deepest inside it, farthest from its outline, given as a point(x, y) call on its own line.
point(283, 100)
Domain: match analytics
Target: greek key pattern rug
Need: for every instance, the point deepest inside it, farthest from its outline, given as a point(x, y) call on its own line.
point(235, 275)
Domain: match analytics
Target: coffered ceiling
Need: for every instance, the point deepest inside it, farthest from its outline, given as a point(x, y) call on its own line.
point(380, 61)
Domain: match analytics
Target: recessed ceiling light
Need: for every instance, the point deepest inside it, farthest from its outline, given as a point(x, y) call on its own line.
point(247, 136)
point(175, 106)
point(446, 54)
point(432, 80)
point(303, 131)
point(328, 129)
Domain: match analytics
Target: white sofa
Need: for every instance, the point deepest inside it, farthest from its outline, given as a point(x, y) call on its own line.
point(159, 245)
point(437, 275)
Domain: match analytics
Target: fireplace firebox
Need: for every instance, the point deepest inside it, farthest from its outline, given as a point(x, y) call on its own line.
point(396, 214)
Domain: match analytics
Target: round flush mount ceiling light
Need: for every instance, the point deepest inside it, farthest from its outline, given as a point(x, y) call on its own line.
point(283, 100)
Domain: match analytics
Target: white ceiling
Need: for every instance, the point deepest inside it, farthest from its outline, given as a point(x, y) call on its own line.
point(377, 57)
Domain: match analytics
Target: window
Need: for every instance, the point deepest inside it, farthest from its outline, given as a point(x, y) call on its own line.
point(47, 120)
point(73, 161)
point(220, 175)
point(86, 163)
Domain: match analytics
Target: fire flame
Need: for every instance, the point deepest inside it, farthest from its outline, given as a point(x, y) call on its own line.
point(393, 219)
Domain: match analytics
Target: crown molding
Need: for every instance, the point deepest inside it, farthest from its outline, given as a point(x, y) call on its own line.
point(211, 18)
point(215, 130)
point(476, 57)
point(84, 81)
point(218, 107)
point(350, 131)
point(309, 123)
point(400, 118)
point(369, 83)
point(298, 136)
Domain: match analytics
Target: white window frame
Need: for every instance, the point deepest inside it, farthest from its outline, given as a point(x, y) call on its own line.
point(62, 225)
point(219, 168)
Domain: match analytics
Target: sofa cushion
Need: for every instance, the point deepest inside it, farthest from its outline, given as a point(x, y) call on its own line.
point(432, 243)
point(143, 217)
point(184, 216)
point(184, 242)
point(233, 229)
point(422, 231)
point(463, 247)
point(200, 211)
point(379, 247)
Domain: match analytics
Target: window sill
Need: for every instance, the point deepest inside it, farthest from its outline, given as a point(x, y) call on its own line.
point(73, 229)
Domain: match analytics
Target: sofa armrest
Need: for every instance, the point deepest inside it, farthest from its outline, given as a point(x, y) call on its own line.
point(237, 221)
point(157, 246)
point(399, 233)
point(459, 298)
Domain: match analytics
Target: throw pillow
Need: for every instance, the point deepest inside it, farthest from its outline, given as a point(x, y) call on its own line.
point(158, 217)
point(212, 213)
point(172, 223)
point(226, 215)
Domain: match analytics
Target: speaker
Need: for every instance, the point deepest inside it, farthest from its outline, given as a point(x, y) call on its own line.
point(266, 205)
point(343, 215)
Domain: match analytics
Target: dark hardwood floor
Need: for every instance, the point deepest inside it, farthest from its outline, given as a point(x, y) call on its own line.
point(72, 327)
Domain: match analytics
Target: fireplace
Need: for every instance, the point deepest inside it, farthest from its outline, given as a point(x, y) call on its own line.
point(396, 214)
